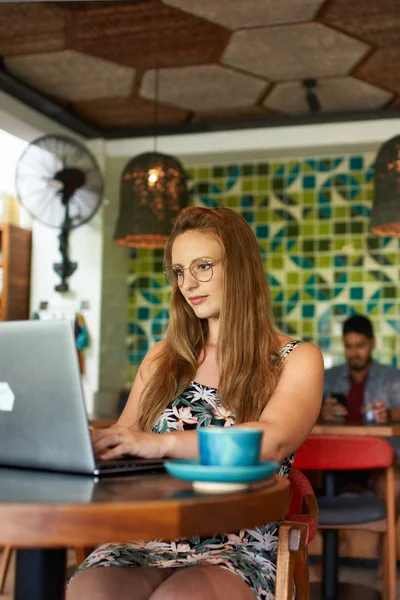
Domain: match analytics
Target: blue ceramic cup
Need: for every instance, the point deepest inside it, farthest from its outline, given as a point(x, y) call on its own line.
point(229, 446)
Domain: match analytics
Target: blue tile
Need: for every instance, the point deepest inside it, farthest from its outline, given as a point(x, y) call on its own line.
point(308, 182)
point(246, 201)
point(308, 311)
point(262, 231)
point(356, 163)
point(143, 313)
point(356, 293)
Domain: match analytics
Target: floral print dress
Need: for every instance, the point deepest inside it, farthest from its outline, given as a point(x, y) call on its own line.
point(250, 553)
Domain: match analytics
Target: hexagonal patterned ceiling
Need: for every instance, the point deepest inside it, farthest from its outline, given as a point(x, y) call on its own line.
point(100, 67)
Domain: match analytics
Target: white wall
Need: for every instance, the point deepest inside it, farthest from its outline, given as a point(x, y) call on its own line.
point(85, 247)
point(85, 241)
point(278, 142)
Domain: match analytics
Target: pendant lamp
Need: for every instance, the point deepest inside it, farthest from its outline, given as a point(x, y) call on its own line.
point(153, 191)
point(385, 216)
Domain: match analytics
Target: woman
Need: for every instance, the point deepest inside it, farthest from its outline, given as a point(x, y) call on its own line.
point(220, 337)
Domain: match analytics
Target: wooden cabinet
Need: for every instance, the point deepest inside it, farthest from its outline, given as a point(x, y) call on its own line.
point(15, 270)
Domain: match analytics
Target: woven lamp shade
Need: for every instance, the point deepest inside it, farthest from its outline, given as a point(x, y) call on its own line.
point(385, 216)
point(153, 191)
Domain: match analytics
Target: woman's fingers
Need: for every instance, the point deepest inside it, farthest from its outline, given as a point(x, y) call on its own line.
point(105, 439)
point(116, 452)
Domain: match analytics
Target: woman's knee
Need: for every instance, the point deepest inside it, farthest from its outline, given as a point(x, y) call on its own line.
point(91, 583)
point(207, 582)
point(108, 583)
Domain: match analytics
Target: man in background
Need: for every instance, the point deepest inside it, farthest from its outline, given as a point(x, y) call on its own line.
point(358, 388)
point(360, 385)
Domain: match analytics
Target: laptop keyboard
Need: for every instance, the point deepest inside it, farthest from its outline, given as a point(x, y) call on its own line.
point(132, 465)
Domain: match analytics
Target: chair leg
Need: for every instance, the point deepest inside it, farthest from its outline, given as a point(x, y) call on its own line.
point(330, 571)
point(301, 575)
point(4, 564)
point(285, 565)
point(390, 567)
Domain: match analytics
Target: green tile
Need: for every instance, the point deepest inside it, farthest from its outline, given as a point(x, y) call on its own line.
point(393, 258)
point(389, 292)
point(356, 276)
point(247, 185)
point(323, 245)
point(309, 197)
point(203, 173)
point(324, 262)
point(277, 262)
point(307, 326)
point(319, 240)
point(247, 170)
point(338, 244)
point(292, 278)
point(142, 267)
point(262, 168)
point(307, 229)
point(369, 194)
point(278, 184)
point(325, 228)
point(231, 201)
point(356, 227)
point(262, 215)
point(358, 243)
point(340, 228)
point(218, 172)
point(340, 212)
point(262, 184)
point(308, 245)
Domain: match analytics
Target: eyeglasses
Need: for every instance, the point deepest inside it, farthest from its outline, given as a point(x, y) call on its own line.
point(200, 268)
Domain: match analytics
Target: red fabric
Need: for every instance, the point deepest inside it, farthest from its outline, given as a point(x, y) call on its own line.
point(299, 488)
point(344, 452)
point(354, 400)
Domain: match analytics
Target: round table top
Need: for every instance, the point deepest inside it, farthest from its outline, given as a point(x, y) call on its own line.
point(39, 509)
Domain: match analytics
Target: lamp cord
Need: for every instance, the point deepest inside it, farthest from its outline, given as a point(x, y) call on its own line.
point(156, 92)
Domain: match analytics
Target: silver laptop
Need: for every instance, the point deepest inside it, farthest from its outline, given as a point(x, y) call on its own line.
point(43, 421)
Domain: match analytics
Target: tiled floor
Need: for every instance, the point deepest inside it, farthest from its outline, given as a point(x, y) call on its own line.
point(365, 577)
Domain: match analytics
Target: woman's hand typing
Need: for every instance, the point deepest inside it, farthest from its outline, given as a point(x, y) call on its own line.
point(118, 441)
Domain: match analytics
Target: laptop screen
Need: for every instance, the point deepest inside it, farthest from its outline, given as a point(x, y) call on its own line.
point(43, 421)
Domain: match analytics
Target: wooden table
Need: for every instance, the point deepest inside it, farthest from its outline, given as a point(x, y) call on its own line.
point(389, 430)
point(42, 514)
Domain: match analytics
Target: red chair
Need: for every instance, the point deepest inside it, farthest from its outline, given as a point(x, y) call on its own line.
point(332, 453)
point(295, 533)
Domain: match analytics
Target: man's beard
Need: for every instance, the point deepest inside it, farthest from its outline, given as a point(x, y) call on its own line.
point(360, 366)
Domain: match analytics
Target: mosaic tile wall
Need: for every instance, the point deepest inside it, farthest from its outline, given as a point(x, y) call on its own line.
point(311, 220)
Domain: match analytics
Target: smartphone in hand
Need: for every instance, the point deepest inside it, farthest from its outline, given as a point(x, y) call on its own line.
point(340, 398)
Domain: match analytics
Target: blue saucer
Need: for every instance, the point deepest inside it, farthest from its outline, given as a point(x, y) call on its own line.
point(192, 470)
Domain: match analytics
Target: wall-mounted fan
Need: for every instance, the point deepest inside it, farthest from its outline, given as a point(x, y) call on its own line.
point(60, 184)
